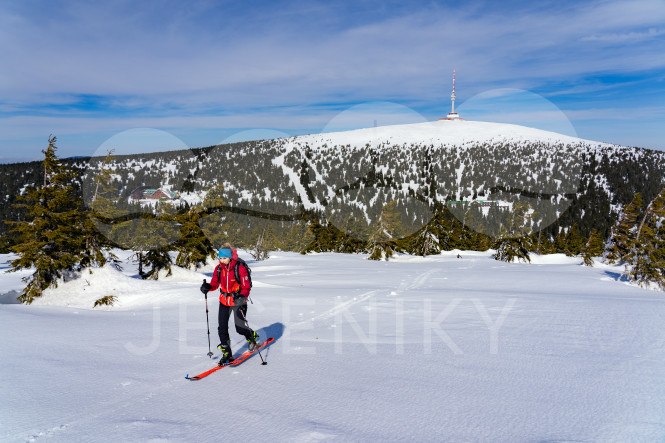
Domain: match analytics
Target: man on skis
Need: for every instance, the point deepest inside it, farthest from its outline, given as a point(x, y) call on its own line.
point(232, 298)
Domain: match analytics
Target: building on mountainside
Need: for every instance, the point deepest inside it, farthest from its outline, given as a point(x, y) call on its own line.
point(160, 194)
point(452, 115)
point(146, 192)
point(477, 203)
point(137, 194)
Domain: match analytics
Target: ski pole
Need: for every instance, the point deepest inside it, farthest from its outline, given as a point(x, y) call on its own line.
point(263, 362)
point(207, 322)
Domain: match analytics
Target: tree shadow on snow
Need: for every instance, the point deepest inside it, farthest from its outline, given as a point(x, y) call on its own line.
point(10, 298)
point(616, 276)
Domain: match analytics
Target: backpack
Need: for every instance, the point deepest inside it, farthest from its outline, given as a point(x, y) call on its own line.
point(236, 271)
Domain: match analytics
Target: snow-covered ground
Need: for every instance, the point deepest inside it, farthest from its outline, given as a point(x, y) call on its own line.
point(441, 132)
point(415, 349)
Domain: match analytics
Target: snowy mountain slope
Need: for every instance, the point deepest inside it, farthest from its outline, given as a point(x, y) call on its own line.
point(351, 175)
point(435, 160)
point(418, 349)
point(441, 132)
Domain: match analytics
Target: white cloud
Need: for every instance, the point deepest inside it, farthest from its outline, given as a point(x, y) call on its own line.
point(622, 114)
point(202, 65)
point(129, 56)
point(626, 37)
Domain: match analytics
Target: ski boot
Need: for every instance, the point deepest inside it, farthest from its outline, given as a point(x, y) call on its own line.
point(227, 355)
point(252, 341)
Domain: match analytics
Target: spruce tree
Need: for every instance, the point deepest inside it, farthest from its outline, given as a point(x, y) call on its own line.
point(214, 199)
point(514, 240)
point(321, 241)
point(328, 238)
point(298, 236)
point(547, 245)
point(480, 241)
point(193, 246)
point(509, 249)
point(646, 261)
point(53, 239)
point(270, 239)
point(163, 234)
point(383, 239)
point(157, 259)
point(620, 245)
point(592, 248)
point(151, 237)
point(426, 241)
point(449, 228)
point(559, 241)
point(460, 235)
point(538, 242)
point(574, 241)
point(102, 216)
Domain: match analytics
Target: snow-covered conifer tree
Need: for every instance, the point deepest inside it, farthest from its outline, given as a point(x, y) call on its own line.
point(622, 237)
point(646, 260)
point(54, 240)
point(383, 239)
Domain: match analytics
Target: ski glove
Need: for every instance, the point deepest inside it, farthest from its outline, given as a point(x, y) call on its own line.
point(239, 299)
point(205, 287)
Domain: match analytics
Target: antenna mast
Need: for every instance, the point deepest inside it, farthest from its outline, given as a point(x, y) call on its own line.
point(452, 115)
point(452, 96)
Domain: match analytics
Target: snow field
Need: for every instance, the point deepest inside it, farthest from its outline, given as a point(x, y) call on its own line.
point(451, 132)
point(417, 349)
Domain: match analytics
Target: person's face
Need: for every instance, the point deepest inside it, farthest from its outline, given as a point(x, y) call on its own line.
point(225, 260)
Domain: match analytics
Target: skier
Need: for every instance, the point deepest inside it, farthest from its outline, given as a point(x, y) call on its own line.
point(232, 298)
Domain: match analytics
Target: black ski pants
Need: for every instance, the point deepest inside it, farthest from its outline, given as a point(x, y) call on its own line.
point(242, 328)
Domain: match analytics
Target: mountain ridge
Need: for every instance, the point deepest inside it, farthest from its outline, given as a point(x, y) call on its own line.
point(352, 175)
point(447, 132)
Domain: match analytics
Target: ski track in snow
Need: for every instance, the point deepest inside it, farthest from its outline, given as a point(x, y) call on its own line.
point(405, 285)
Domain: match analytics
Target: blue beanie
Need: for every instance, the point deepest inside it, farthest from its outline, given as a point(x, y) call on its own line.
point(225, 253)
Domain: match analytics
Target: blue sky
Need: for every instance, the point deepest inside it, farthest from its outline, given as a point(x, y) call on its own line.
point(199, 73)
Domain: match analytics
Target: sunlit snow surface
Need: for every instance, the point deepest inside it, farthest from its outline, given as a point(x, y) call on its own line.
point(442, 132)
point(415, 349)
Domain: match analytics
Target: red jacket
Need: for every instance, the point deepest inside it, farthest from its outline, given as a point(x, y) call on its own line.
point(227, 282)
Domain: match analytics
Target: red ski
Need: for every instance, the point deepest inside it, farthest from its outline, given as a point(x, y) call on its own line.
point(235, 362)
